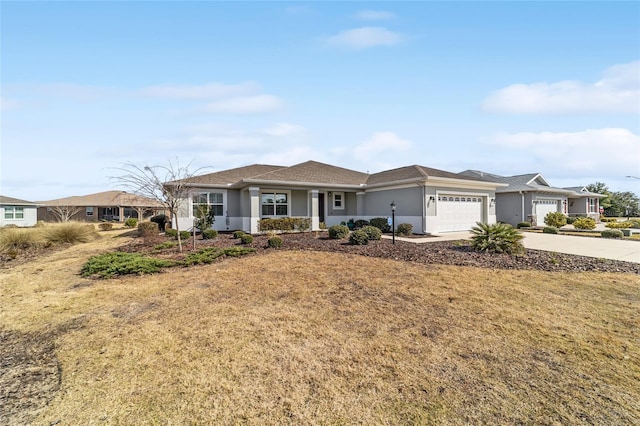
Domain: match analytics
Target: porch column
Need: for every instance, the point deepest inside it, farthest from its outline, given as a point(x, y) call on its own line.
point(314, 209)
point(254, 195)
point(120, 214)
point(360, 209)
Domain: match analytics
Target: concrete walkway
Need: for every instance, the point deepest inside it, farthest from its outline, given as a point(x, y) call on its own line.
point(604, 248)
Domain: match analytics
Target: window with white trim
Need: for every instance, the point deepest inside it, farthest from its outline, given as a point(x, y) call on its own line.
point(593, 205)
point(274, 204)
point(338, 200)
point(89, 211)
point(208, 201)
point(13, 212)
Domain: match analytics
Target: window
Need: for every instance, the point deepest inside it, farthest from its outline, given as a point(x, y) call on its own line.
point(593, 205)
point(338, 200)
point(89, 211)
point(274, 204)
point(208, 201)
point(12, 212)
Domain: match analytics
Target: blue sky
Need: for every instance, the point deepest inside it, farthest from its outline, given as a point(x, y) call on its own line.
point(503, 87)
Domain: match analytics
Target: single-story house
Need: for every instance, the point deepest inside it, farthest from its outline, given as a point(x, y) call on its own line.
point(102, 206)
point(17, 212)
point(431, 200)
point(530, 197)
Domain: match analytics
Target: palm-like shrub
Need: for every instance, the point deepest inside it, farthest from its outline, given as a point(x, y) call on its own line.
point(497, 238)
point(557, 219)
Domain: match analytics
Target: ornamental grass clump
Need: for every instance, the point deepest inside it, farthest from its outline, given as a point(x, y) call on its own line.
point(497, 238)
point(19, 239)
point(70, 232)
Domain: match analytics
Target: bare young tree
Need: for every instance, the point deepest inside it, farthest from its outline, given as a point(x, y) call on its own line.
point(168, 184)
point(65, 213)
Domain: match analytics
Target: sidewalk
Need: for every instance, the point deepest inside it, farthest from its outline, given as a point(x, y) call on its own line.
point(604, 248)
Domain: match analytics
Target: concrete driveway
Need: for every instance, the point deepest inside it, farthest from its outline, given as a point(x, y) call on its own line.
point(604, 248)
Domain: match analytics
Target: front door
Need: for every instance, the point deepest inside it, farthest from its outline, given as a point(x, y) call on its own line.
point(321, 206)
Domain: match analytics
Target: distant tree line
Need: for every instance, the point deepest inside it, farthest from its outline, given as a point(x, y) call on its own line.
point(616, 204)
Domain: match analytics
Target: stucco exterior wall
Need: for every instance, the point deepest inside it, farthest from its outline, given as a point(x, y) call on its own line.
point(509, 208)
point(30, 217)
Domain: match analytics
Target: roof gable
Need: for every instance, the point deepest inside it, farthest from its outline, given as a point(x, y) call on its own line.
point(10, 201)
point(314, 172)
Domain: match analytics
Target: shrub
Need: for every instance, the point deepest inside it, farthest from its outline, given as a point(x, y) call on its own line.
point(238, 251)
point(497, 238)
point(608, 219)
point(184, 235)
point(19, 238)
point(69, 232)
point(635, 223)
point(358, 238)
point(570, 220)
point(238, 234)
point(404, 229)
point(584, 223)
point(209, 234)
point(380, 223)
point(523, 225)
point(611, 233)
point(164, 246)
point(372, 232)
point(338, 232)
point(360, 223)
point(550, 230)
point(618, 225)
point(274, 242)
point(108, 265)
point(246, 238)
point(210, 254)
point(161, 220)
point(105, 226)
point(557, 219)
point(322, 225)
point(132, 222)
point(285, 224)
point(146, 229)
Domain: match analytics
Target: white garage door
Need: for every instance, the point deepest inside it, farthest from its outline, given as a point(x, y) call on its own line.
point(458, 213)
point(543, 207)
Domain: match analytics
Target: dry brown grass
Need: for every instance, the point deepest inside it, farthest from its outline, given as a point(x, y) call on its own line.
point(301, 338)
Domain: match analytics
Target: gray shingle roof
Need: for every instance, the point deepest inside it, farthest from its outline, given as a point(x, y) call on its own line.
point(315, 172)
point(10, 201)
point(106, 198)
point(233, 176)
point(523, 183)
point(414, 172)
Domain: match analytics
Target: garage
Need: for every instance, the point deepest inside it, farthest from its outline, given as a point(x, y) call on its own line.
point(544, 207)
point(458, 212)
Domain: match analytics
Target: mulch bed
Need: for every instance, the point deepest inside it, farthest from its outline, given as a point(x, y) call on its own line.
point(458, 253)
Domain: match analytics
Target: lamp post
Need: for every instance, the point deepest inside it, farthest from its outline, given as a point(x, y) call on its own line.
point(393, 222)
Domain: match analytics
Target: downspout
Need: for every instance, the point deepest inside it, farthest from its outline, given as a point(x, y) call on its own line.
point(522, 207)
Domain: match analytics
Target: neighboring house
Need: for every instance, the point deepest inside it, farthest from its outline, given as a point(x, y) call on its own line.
point(17, 212)
point(102, 206)
point(529, 198)
point(431, 200)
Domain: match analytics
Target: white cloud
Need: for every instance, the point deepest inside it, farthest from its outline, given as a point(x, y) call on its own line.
point(583, 152)
point(204, 91)
point(617, 91)
point(378, 143)
point(245, 105)
point(284, 129)
point(374, 15)
point(362, 38)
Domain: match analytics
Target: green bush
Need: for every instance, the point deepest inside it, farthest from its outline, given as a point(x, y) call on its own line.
point(360, 223)
point(238, 234)
point(523, 225)
point(584, 223)
point(238, 251)
point(108, 265)
point(146, 229)
point(404, 229)
point(611, 233)
point(210, 254)
point(105, 226)
point(69, 232)
point(497, 238)
point(132, 222)
point(338, 232)
point(380, 223)
point(274, 242)
point(571, 219)
point(285, 224)
point(161, 220)
point(164, 246)
point(635, 223)
point(618, 225)
point(557, 219)
point(19, 238)
point(372, 232)
point(209, 234)
point(246, 238)
point(358, 238)
point(608, 219)
point(184, 235)
point(550, 230)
